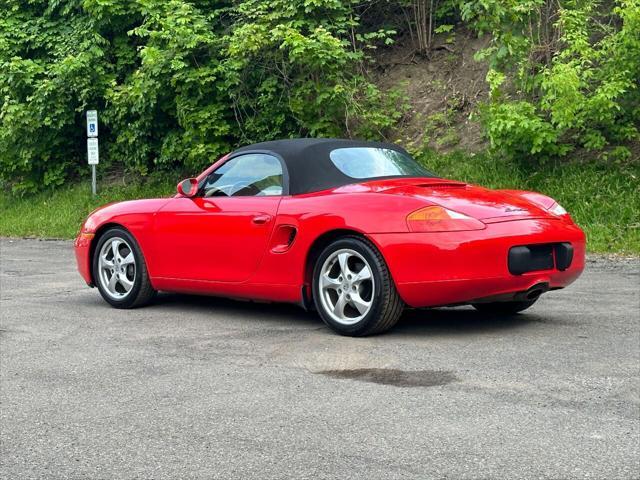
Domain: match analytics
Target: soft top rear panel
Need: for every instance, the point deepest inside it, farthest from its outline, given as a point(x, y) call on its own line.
point(309, 165)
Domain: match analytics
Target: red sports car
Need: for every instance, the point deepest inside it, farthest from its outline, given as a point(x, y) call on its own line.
point(357, 230)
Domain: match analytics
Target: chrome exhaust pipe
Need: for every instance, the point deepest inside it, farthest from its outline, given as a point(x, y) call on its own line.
point(534, 292)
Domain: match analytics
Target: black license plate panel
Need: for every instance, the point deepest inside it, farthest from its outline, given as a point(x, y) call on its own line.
point(530, 258)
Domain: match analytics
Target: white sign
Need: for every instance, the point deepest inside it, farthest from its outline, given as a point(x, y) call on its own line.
point(92, 123)
point(92, 151)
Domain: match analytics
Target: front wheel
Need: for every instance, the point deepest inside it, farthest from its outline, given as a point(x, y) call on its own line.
point(353, 289)
point(504, 308)
point(119, 270)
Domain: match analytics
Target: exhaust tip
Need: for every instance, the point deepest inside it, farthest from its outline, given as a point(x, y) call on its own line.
point(534, 292)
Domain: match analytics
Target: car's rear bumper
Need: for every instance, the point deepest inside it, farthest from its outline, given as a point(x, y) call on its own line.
point(432, 269)
point(82, 247)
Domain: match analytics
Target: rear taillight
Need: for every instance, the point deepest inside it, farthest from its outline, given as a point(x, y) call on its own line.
point(440, 219)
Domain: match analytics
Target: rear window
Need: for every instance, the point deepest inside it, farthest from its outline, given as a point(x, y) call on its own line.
point(368, 162)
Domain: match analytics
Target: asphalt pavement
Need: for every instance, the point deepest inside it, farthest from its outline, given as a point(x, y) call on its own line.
point(202, 387)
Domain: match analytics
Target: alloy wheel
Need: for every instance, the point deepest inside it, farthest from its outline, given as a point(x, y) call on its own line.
point(117, 268)
point(346, 286)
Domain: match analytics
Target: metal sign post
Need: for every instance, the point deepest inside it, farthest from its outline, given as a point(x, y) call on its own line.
point(93, 155)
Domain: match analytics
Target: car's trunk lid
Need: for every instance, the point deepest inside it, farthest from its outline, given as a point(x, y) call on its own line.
point(477, 202)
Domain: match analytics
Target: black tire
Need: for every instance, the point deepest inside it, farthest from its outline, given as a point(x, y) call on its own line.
point(386, 306)
point(142, 292)
point(504, 308)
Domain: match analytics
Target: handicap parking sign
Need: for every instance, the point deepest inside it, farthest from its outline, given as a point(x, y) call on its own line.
point(92, 123)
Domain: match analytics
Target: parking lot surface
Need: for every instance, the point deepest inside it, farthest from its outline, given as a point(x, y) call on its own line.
point(199, 387)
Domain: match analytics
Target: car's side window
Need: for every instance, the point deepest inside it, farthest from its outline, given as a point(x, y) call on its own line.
point(250, 175)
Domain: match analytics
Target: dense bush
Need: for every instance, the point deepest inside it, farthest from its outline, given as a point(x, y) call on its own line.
point(52, 67)
point(177, 82)
point(564, 74)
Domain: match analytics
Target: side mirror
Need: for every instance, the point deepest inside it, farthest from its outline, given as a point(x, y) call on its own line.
point(188, 188)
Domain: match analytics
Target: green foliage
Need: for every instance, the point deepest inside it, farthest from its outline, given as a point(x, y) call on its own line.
point(516, 129)
point(178, 82)
point(51, 72)
point(564, 74)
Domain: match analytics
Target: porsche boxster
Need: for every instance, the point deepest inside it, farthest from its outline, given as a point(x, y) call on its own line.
point(355, 230)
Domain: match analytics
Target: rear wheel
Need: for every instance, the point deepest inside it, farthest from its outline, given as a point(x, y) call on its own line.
point(119, 270)
point(353, 289)
point(504, 308)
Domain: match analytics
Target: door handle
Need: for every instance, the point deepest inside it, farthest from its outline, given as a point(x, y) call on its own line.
point(261, 219)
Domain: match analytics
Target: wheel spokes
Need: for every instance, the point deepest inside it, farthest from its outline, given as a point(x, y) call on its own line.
point(113, 281)
point(341, 303)
point(359, 303)
point(116, 273)
point(327, 282)
point(106, 264)
point(115, 248)
point(125, 282)
point(346, 286)
point(362, 275)
point(343, 260)
point(128, 259)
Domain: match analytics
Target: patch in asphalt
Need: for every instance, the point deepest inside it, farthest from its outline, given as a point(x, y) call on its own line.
point(397, 378)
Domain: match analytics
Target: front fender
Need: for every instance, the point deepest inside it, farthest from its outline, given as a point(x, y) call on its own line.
point(130, 214)
point(136, 216)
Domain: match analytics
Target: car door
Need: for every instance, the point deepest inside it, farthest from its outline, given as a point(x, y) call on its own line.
point(222, 233)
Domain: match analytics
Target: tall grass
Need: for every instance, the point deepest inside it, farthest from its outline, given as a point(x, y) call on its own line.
point(59, 213)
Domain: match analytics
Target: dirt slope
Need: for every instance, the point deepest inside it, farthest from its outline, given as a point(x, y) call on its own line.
point(443, 90)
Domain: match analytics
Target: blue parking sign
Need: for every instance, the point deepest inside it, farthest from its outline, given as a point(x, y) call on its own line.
point(92, 123)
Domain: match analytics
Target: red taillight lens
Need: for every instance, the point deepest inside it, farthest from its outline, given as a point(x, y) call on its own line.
point(440, 219)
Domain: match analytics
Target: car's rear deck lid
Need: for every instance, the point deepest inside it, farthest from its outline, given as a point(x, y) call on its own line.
point(477, 202)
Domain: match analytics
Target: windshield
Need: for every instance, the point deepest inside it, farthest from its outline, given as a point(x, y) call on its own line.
point(368, 162)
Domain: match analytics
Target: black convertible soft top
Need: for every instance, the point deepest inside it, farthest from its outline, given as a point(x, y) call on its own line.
point(308, 164)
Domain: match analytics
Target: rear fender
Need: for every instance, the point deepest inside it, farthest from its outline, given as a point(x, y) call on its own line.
point(534, 197)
